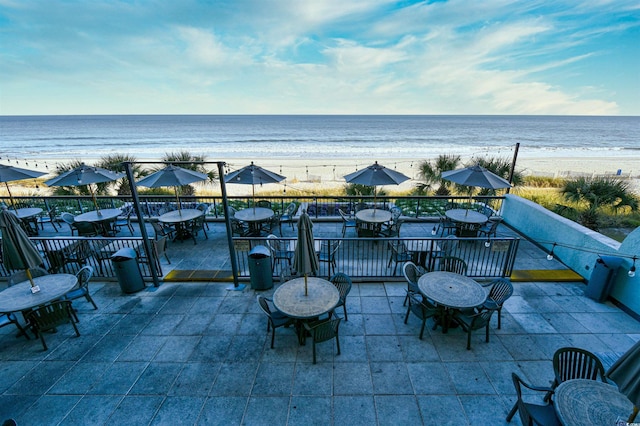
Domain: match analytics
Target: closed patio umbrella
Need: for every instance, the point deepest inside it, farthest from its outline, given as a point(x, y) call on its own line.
point(253, 175)
point(11, 173)
point(85, 175)
point(172, 176)
point(376, 175)
point(305, 260)
point(625, 372)
point(17, 251)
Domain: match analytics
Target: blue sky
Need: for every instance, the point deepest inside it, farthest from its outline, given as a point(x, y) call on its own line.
point(320, 57)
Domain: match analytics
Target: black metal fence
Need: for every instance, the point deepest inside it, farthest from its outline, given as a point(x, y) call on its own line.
point(382, 258)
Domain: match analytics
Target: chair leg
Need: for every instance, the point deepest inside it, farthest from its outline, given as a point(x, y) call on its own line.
point(338, 343)
point(344, 306)
point(512, 412)
point(406, 317)
point(273, 336)
point(499, 318)
point(469, 339)
point(424, 322)
point(314, 350)
point(90, 299)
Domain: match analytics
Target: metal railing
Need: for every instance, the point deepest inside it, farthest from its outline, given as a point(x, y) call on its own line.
point(69, 254)
point(380, 259)
point(318, 207)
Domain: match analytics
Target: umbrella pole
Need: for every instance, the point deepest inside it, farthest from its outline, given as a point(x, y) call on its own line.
point(253, 196)
point(178, 201)
point(305, 285)
point(95, 200)
point(34, 287)
point(375, 201)
point(634, 414)
point(11, 197)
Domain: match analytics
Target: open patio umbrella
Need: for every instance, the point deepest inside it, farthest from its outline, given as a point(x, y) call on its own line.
point(172, 176)
point(85, 175)
point(376, 175)
point(17, 250)
point(10, 173)
point(253, 175)
point(625, 372)
point(476, 176)
point(305, 260)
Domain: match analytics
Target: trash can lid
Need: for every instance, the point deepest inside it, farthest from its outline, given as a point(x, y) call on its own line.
point(260, 251)
point(124, 252)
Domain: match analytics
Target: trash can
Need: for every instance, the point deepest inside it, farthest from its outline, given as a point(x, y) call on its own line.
point(125, 263)
point(602, 278)
point(260, 268)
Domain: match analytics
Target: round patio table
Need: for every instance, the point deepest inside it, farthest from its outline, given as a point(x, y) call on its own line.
point(322, 296)
point(451, 291)
point(27, 212)
point(179, 218)
point(590, 402)
point(374, 215)
point(101, 218)
point(466, 216)
point(254, 216)
point(19, 297)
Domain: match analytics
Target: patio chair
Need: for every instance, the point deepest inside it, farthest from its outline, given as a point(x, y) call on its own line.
point(81, 289)
point(85, 229)
point(162, 230)
point(476, 321)
point(288, 216)
point(124, 220)
point(501, 289)
point(445, 224)
point(195, 226)
point(467, 230)
point(324, 330)
point(204, 207)
point(399, 254)
point(532, 414)
point(421, 308)
point(575, 363)
point(453, 264)
point(10, 318)
point(264, 204)
point(280, 250)
point(270, 225)
point(20, 276)
point(490, 228)
point(238, 228)
point(160, 246)
point(48, 317)
point(343, 284)
point(275, 318)
point(68, 219)
point(392, 229)
point(347, 221)
point(48, 217)
point(327, 254)
point(411, 274)
point(367, 229)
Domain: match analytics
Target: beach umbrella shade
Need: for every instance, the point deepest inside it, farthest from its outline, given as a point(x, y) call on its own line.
point(253, 175)
point(172, 176)
point(625, 372)
point(376, 175)
point(11, 173)
point(17, 250)
point(305, 260)
point(476, 176)
point(85, 175)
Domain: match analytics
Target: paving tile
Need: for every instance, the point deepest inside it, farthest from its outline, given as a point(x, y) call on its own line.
point(469, 378)
point(195, 379)
point(397, 409)
point(79, 378)
point(312, 379)
point(177, 349)
point(49, 408)
point(267, 411)
point(136, 410)
point(142, 348)
point(273, 379)
point(211, 348)
point(12, 371)
point(375, 324)
point(384, 348)
point(353, 378)
point(234, 379)
point(415, 350)
point(309, 410)
point(442, 410)
point(108, 348)
point(179, 410)
point(484, 409)
point(156, 379)
point(534, 323)
point(354, 410)
point(131, 324)
point(375, 305)
point(390, 378)
point(12, 406)
point(39, 379)
point(92, 409)
point(118, 378)
point(430, 378)
point(223, 411)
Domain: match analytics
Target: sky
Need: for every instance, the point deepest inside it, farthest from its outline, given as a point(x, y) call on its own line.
point(560, 57)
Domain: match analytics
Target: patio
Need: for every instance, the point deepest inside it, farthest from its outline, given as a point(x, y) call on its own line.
point(197, 353)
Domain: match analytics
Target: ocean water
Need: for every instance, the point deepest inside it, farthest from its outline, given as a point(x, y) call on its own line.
point(220, 137)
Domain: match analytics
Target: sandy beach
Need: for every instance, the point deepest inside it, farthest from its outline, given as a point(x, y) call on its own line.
point(311, 176)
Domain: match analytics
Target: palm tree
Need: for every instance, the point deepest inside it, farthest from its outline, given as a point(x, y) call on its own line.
point(500, 167)
point(186, 160)
point(597, 193)
point(430, 171)
point(115, 162)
